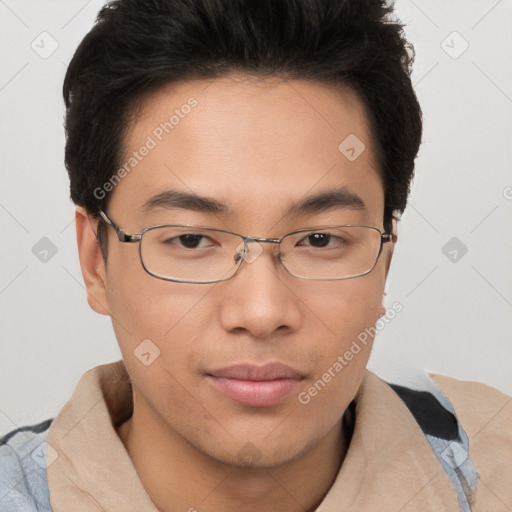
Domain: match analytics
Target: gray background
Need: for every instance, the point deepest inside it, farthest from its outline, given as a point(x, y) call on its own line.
point(456, 317)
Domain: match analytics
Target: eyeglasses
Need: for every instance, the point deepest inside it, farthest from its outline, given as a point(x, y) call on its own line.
point(195, 254)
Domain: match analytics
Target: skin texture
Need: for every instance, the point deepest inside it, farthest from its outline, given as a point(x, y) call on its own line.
point(255, 145)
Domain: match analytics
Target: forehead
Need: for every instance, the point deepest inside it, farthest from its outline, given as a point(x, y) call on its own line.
point(251, 144)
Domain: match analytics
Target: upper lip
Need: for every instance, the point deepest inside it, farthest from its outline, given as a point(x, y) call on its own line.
point(269, 371)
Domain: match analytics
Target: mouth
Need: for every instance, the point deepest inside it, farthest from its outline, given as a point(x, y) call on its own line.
point(256, 386)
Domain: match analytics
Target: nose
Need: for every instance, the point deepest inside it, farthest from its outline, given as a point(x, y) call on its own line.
point(259, 299)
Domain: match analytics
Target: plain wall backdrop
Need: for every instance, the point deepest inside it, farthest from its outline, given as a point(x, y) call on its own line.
point(452, 268)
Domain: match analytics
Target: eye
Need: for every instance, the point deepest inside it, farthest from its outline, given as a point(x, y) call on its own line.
point(320, 240)
point(187, 241)
point(190, 241)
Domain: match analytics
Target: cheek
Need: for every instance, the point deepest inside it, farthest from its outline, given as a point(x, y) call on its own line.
point(343, 309)
point(157, 324)
point(342, 326)
point(145, 308)
point(341, 355)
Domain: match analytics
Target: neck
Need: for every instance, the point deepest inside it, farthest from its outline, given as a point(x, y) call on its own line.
point(178, 477)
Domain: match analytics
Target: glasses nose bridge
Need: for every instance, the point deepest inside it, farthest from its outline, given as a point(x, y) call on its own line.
point(275, 241)
point(248, 239)
point(251, 255)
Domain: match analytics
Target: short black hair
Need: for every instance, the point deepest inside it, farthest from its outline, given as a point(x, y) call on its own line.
point(138, 46)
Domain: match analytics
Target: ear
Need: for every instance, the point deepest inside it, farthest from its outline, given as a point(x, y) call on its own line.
point(391, 245)
point(388, 255)
point(91, 262)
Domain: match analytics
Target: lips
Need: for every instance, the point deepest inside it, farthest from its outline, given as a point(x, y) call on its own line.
point(256, 386)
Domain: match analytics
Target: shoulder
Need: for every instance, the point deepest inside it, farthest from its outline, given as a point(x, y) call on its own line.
point(478, 405)
point(468, 425)
point(486, 415)
point(23, 483)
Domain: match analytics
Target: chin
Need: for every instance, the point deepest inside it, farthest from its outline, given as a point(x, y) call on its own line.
point(259, 453)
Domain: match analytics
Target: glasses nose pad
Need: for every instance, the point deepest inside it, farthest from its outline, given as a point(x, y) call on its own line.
point(249, 251)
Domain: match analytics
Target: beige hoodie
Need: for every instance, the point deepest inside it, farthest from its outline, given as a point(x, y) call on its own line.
point(389, 465)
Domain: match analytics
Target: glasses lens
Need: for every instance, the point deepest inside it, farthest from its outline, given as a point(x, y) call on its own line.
point(331, 253)
point(189, 254)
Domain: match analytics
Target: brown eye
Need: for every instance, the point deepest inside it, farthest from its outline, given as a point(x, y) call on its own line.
point(190, 241)
point(319, 239)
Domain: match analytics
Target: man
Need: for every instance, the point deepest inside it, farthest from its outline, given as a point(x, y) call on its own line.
point(237, 168)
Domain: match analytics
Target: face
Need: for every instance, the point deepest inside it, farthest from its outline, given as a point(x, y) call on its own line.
point(256, 147)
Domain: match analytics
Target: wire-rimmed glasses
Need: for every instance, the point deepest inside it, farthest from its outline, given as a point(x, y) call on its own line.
point(202, 255)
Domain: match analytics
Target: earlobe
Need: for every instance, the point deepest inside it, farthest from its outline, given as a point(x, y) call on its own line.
point(91, 262)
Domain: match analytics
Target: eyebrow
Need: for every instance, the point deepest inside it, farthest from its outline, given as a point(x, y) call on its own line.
point(323, 201)
point(171, 199)
point(327, 200)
